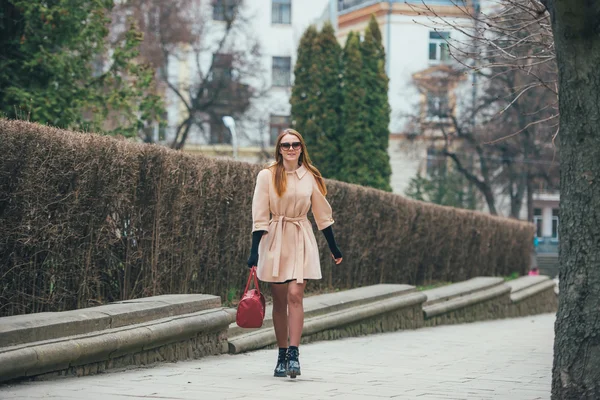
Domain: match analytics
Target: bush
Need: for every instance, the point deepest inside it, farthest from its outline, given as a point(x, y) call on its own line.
point(88, 219)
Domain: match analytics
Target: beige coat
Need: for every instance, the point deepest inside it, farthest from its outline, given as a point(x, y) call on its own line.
point(289, 249)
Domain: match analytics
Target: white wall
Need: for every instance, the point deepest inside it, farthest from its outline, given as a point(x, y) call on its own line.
point(407, 52)
point(276, 40)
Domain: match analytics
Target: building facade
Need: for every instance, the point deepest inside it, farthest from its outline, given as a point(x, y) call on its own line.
point(276, 27)
point(423, 84)
point(426, 84)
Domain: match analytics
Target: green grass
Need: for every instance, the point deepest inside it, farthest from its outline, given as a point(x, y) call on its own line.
point(512, 276)
point(433, 285)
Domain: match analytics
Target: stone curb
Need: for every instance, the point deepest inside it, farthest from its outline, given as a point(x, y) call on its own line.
point(332, 302)
point(430, 311)
point(460, 289)
point(42, 357)
point(523, 294)
point(28, 328)
point(524, 282)
point(266, 336)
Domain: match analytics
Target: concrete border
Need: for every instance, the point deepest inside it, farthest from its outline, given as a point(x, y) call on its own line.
point(455, 290)
point(266, 336)
point(527, 286)
point(471, 299)
point(29, 328)
point(46, 356)
point(331, 302)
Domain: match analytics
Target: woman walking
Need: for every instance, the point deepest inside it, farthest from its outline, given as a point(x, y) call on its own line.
point(284, 247)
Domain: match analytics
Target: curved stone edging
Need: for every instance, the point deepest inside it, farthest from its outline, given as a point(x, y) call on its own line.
point(41, 357)
point(464, 301)
point(332, 302)
point(266, 336)
point(461, 289)
point(28, 328)
point(532, 291)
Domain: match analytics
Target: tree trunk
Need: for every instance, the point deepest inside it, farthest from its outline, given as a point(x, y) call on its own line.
point(489, 199)
point(576, 371)
point(529, 196)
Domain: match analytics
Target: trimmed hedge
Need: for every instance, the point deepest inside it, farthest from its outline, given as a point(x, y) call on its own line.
point(88, 219)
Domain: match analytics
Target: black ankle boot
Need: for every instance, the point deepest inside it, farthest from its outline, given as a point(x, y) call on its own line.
point(293, 362)
point(280, 368)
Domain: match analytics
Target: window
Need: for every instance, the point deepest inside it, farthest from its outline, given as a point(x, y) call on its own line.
point(222, 67)
point(218, 133)
point(224, 10)
point(438, 47)
point(437, 105)
point(281, 12)
point(555, 223)
point(436, 161)
point(276, 125)
point(537, 221)
point(282, 71)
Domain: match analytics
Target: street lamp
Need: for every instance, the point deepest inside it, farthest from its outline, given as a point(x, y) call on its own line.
point(229, 123)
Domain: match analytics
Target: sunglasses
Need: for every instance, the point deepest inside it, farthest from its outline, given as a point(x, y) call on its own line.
point(287, 146)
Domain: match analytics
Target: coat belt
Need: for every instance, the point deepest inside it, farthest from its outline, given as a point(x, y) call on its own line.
point(300, 259)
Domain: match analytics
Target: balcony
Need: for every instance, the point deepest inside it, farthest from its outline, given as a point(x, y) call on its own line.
point(349, 5)
point(546, 195)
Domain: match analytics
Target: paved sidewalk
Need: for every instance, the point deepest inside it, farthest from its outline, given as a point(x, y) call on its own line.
point(506, 359)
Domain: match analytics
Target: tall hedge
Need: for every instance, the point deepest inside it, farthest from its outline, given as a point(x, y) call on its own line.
point(88, 219)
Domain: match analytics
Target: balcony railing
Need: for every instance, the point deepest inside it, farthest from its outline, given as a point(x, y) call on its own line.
point(547, 245)
point(344, 5)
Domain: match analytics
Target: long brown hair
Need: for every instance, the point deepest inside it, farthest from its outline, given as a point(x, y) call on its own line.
point(279, 175)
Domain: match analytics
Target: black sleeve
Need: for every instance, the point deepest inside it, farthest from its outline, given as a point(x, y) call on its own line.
point(253, 260)
point(328, 233)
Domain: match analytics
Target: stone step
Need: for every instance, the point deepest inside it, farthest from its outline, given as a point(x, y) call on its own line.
point(446, 293)
point(176, 337)
point(331, 302)
point(265, 336)
point(528, 286)
point(38, 327)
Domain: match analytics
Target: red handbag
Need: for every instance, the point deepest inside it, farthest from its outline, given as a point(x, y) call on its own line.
point(251, 308)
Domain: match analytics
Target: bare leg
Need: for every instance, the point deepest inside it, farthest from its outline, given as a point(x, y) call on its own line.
point(280, 313)
point(295, 295)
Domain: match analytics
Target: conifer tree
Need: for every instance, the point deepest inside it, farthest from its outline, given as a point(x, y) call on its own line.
point(340, 105)
point(356, 140)
point(316, 97)
point(302, 99)
point(328, 102)
point(375, 82)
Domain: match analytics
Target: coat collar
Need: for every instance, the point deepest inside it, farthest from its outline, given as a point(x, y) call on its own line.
point(300, 172)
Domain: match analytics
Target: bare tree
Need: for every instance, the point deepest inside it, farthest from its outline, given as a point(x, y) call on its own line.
point(563, 37)
point(216, 39)
point(505, 135)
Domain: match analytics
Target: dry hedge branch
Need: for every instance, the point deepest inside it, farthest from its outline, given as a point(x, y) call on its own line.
point(87, 219)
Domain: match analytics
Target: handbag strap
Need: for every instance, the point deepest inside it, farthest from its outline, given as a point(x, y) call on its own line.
point(252, 275)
